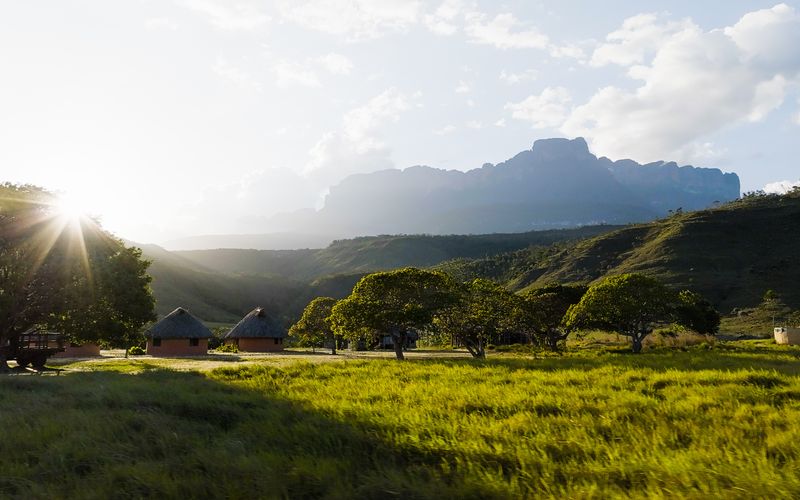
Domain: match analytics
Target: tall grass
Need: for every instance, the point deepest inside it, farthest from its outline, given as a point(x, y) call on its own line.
point(591, 424)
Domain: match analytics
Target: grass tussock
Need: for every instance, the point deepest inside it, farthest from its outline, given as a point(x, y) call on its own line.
point(716, 421)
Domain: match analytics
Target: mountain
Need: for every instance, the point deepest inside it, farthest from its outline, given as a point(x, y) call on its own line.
point(557, 183)
point(732, 254)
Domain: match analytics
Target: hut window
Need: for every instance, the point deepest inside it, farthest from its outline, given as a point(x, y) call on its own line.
point(194, 342)
point(156, 342)
point(277, 341)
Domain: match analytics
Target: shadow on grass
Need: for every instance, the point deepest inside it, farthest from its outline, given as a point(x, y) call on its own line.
point(168, 434)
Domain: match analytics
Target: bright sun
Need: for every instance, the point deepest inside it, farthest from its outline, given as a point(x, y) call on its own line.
point(71, 207)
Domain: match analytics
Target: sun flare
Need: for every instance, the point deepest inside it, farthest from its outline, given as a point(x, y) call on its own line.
point(71, 208)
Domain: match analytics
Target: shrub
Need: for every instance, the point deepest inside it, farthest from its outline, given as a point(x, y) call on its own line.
point(136, 351)
point(227, 348)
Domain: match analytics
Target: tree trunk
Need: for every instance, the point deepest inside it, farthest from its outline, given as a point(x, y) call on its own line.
point(476, 349)
point(553, 338)
point(637, 343)
point(333, 347)
point(481, 350)
point(4, 364)
point(399, 340)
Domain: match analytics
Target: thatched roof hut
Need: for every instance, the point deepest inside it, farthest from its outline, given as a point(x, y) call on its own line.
point(257, 332)
point(179, 324)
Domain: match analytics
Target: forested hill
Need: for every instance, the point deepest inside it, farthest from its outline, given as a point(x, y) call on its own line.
point(223, 285)
point(373, 253)
point(731, 254)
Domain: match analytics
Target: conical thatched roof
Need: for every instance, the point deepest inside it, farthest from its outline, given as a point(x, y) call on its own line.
point(179, 324)
point(257, 324)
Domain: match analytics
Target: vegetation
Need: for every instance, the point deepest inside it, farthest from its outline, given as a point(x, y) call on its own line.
point(760, 320)
point(66, 274)
point(478, 313)
point(730, 254)
point(313, 329)
point(714, 423)
point(376, 253)
point(634, 305)
point(396, 303)
point(542, 310)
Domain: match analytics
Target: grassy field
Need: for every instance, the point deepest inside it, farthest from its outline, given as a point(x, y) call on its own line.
point(594, 423)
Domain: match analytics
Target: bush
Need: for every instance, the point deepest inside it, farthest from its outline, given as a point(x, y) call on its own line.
point(227, 348)
point(136, 351)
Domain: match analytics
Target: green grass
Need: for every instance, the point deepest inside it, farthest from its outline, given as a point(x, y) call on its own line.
point(594, 423)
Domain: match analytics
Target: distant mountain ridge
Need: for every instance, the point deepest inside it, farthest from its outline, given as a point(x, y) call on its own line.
point(558, 183)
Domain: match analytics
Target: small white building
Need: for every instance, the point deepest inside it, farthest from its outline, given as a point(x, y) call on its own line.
point(786, 335)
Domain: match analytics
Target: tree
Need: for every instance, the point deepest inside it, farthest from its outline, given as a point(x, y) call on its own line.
point(394, 303)
point(542, 311)
point(695, 312)
point(631, 304)
point(481, 311)
point(67, 274)
point(313, 328)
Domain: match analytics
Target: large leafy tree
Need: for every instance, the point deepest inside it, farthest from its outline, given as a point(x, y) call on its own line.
point(481, 311)
point(394, 303)
point(695, 312)
point(313, 328)
point(66, 273)
point(541, 312)
point(631, 304)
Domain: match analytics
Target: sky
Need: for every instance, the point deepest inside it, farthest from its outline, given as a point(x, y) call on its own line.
point(176, 118)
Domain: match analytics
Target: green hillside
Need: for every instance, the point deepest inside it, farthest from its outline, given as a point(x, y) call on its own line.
point(217, 297)
point(731, 254)
point(222, 285)
point(373, 253)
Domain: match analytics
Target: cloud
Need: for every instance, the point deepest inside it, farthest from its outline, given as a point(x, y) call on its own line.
point(693, 83)
point(781, 187)
point(502, 32)
point(546, 110)
point(528, 75)
point(474, 124)
point(227, 15)
point(572, 51)
point(462, 88)
point(354, 19)
point(233, 73)
point(640, 36)
point(359, 124)
point(769, 38)
point(160, 23)
point(336, 64)
point(357, 145)
point(442, 20)
point(447, 129)
point(290, 74)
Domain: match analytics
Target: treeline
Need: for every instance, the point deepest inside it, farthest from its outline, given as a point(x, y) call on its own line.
point(65, 273)
point(410, 302)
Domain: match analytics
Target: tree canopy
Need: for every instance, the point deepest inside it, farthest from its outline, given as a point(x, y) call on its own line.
point(66, 274)
point(394, 303)
point(479, 312)
point(313, 329)
point(541, 312)
point(631, 304)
